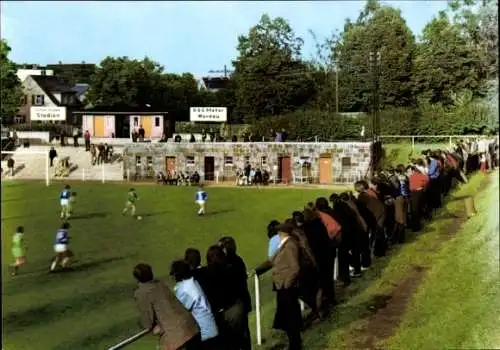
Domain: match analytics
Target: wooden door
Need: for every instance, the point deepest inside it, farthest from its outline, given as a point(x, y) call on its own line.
point(325, 170)
point(170, 164)
point(99, 126)
point(209, 169)
point(285, 171)
point(146, 122)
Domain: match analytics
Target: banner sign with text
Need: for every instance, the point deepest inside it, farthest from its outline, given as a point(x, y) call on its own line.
point(48, 113)
point(208, 114)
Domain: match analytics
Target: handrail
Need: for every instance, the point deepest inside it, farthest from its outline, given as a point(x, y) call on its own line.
point(130, 340)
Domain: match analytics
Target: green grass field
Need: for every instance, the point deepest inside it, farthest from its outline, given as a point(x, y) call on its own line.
point(455, 305)
point(92, 307)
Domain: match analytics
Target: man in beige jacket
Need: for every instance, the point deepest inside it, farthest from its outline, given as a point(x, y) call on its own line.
point(161, 312)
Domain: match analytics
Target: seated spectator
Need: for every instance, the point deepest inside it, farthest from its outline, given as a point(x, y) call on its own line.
point(191, 295)
point(161, 312)
point(265, 177)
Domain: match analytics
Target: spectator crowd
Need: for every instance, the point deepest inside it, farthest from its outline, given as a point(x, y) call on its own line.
point(210, 304)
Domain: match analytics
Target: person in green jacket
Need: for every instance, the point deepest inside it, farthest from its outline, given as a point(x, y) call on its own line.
point(18, 250)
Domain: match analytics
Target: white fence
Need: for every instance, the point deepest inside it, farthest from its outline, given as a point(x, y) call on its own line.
point(258, 309)
point(451, 138)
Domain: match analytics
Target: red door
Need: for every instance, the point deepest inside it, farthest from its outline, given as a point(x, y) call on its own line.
point(285, 170)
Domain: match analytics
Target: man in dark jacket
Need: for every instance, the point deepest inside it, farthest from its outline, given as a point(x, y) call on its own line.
point(233, 259)
point(52, 156)
point(368, 198)
point(349, 252)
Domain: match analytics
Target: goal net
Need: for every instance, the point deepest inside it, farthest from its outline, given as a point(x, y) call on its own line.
point(25, 165)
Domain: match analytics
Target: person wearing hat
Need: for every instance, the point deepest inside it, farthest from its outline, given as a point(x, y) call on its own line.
point(285, 274)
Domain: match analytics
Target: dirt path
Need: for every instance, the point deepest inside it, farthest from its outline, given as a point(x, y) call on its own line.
point(385, 312)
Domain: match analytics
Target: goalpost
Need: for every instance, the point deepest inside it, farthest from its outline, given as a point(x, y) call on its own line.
point(44, 153)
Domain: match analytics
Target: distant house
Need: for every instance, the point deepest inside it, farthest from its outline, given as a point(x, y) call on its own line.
point(81, 91)
point(23, 73)
point(47, 98)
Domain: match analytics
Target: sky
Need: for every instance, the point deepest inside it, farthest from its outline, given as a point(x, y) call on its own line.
point(195, 36)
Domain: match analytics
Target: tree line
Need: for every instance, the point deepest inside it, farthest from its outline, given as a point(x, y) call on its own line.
point(442, 76)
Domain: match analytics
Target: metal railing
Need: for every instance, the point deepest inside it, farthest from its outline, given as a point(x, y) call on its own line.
point(416, 137)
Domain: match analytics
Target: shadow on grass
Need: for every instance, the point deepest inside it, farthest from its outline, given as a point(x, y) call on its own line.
point(147, 215)
point(217, 212)
point(111, 334)
point(94, 215)
point(32, 279)
point(18, 321)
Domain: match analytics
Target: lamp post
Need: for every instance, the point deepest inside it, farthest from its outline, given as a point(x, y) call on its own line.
point(375, 59)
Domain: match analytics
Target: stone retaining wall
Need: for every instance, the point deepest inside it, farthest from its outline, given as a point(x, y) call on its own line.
point(349, 161)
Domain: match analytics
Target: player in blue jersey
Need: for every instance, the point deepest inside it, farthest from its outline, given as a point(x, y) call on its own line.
point(201, 198)
point(65, 199)
point(61, 248)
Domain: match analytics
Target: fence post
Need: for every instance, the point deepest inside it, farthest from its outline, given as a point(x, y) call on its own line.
point(315, 138)
point(47, 170)
point(412, 144)
point(451, 144)
point(83, 174)
point(257, 310)
point(216, 177)
point(128, 175)
point(102, 171)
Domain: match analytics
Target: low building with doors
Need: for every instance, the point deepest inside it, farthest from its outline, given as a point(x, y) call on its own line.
point(287, 162)
point(120, 123)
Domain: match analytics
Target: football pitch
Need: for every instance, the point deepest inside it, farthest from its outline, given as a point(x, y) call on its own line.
point(92, 307)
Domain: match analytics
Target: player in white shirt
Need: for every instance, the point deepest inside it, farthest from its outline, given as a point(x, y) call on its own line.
point(65, 200)
point(201, 198)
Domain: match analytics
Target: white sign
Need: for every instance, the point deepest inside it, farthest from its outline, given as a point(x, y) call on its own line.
point(208, 114)
point(48, 113)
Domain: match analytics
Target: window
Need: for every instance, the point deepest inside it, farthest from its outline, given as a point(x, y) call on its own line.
point(19, 119)
point(263, 161)
point(37, 100)
point(24, 100)
point(346, 161)
point(137, 160)
point(136, 121)
point(190, 160)
point(228, 161)
point(157, 121)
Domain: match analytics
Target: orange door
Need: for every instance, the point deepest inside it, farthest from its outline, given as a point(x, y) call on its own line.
point(325, 170)
point(99, 126)
point(286, 169)
point(146, 122)
point(170, 164)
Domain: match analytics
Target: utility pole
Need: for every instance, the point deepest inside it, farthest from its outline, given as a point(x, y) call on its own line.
point(336, 88)
point(375, 59)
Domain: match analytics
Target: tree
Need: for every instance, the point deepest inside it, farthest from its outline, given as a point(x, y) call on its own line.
point(478, 22)
point(122, 82)
point(179, 93)
point(11, 91)
point(269, 75)
point(445, 62)
point(378, 29)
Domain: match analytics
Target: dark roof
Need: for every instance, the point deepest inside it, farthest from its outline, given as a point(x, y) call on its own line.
point(51, 84)
point(80, 89)
point(123, 110)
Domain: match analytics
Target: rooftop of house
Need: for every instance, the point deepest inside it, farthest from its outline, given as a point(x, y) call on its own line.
point(123, 110)
point(51, 84)
point(80, 89)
